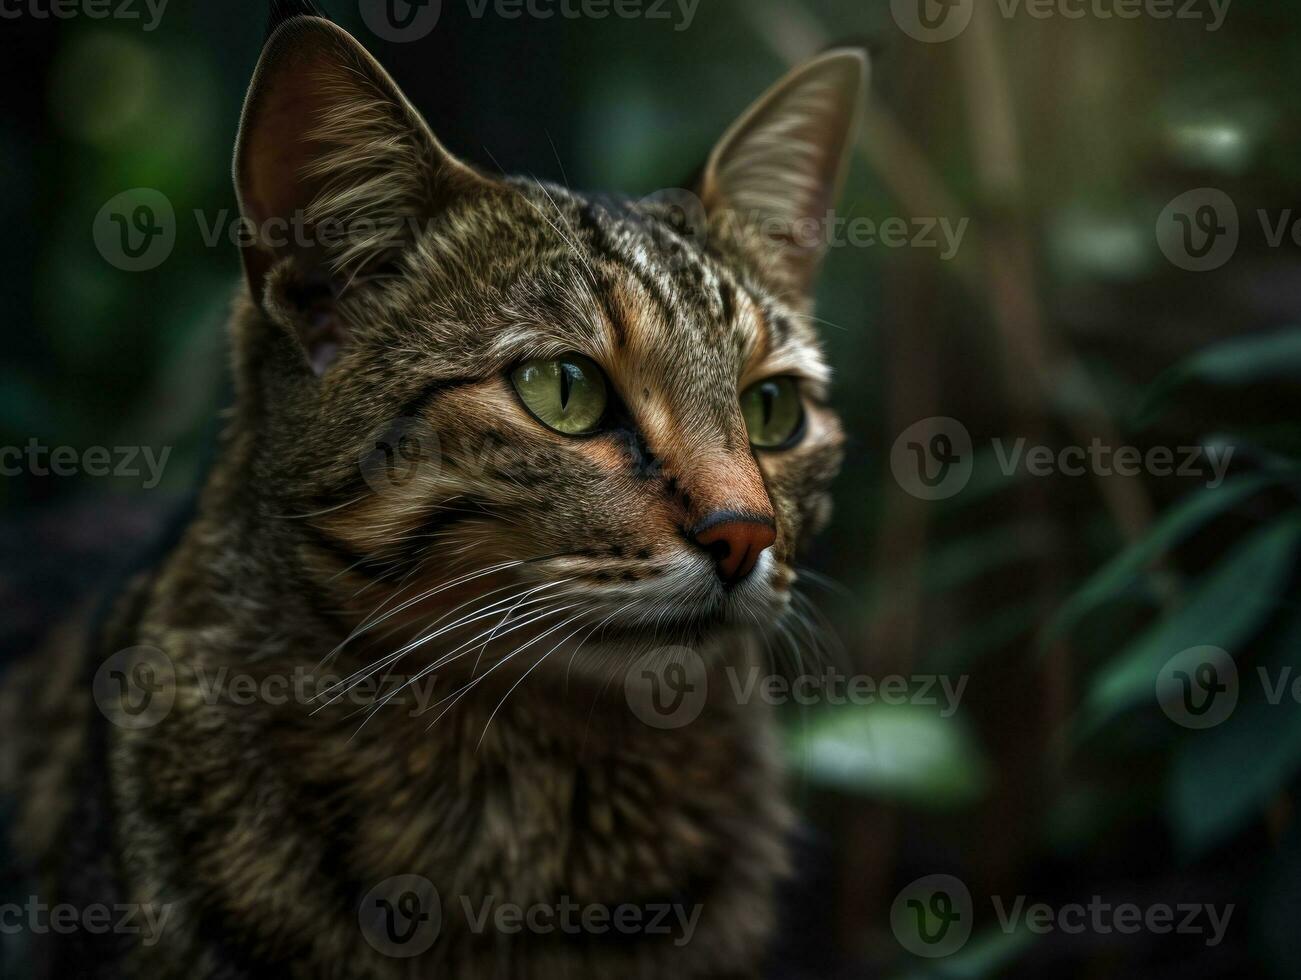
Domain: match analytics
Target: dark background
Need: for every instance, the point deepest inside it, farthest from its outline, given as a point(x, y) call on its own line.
point(1057, 599)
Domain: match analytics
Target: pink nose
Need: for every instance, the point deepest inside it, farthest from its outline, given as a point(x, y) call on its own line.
point(735, 541)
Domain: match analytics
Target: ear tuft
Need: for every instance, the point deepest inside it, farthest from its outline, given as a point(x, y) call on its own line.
point(776, 174)
point(283, 10)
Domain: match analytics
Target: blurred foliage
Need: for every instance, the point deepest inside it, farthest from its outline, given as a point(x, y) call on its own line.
point(903, 752)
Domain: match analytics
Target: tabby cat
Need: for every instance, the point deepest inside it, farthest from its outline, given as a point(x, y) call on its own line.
point(548, 452)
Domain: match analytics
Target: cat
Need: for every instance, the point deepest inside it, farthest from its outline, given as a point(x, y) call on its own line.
point(553, 454)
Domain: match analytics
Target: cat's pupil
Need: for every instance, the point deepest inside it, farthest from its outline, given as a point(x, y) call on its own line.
point(565, 370)
point(769, 395)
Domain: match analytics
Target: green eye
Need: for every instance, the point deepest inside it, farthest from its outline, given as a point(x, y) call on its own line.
point(774, 412)
point(567, 394)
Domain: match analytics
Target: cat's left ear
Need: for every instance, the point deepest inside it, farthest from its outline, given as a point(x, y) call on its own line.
point(772, 180)
point(336, 172)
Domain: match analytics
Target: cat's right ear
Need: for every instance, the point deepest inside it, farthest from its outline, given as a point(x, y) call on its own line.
point(773, 179)
point(335, 171)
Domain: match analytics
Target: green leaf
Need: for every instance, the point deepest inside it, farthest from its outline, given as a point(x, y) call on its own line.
point(989, 954)
point(1122, 572)
point(1225, 610)
point(1240, 361)
point(1275, 446)
point(1224, 776)
point(901, 752)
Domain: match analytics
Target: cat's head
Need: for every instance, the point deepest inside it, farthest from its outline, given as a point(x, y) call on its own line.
point(608, 412)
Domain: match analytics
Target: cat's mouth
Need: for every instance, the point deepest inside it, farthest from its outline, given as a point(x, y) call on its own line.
point(684, 600)
point(561, 610)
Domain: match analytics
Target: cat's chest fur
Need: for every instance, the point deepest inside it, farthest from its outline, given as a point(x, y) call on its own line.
point(553, 803)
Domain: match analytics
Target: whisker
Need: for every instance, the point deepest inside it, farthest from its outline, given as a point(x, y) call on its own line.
point(465, 689)
point(522, 677)
point(426, 671)
point(390, 658)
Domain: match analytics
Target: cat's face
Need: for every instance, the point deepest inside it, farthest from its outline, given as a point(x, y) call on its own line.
point(498, 391)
